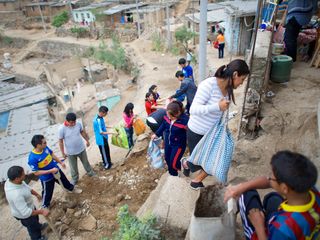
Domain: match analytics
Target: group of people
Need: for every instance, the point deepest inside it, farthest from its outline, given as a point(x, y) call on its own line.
point(292, 212)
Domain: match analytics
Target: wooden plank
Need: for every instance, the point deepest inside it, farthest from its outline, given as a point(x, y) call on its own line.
point(316, 54)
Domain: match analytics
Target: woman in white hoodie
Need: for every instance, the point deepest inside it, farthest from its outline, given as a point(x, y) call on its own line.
point(19, 196)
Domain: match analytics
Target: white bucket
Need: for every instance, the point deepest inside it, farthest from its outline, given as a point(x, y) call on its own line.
point(277, 48)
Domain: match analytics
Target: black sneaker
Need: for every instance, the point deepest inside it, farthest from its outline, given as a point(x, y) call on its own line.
point(185, 171)
point(196, 185)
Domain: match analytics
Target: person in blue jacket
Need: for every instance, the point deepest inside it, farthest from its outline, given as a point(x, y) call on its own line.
point(101, 135)
point(174, 126)
point(186, 68)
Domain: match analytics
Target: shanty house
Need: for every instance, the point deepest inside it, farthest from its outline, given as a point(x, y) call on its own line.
point(120, 14)
point(87, 13)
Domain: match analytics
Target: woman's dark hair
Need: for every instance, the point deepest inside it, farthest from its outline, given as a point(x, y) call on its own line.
point(71, 117)
point(295, 170)
point(14, 172)
point(36, 139)
point(220, 31)
point(148, 95)
point(175, 108)
point(151, 91)
point(128, 110)
point(226, 72)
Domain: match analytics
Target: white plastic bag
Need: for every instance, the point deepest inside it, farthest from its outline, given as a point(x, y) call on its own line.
point(154, 154)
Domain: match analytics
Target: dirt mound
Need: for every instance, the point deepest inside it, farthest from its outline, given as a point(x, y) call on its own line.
point(98, 204)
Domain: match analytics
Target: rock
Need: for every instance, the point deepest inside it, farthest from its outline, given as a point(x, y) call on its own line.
point(66, 220)
point(70, 211)
point(72, 204)
point(110, 179)
point(77, 214)
point(119, 198)
point(88, 223)
point(155, 69)
point(63, 228)
point(156, 180)
point(127, 197)
point(57, 224)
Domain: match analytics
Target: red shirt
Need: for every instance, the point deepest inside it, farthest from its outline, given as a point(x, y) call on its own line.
point(148, 106)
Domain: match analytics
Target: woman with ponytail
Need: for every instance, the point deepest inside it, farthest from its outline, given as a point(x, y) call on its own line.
point(211, 100)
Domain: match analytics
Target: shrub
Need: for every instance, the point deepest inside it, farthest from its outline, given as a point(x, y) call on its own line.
point(132, 228)
point(115, 55)
point(60, 19)
point(79, 31)
point(157, 43)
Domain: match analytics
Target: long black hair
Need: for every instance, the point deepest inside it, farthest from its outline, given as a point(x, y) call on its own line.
point(128, 110)
point(226, 72)
point(151, 89)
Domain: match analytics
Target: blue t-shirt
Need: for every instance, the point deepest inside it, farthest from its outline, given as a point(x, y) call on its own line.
point(188, 72)
point(42, 161)
point(98, 127)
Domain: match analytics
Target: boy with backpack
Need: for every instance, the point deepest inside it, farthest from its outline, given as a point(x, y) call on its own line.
point(290, 213)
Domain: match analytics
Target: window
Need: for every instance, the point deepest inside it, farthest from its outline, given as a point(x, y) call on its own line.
point(32, 8)
point(77, 15)
point(82, 16)
point(88, 15)
point(42, 8)
point(213, 29)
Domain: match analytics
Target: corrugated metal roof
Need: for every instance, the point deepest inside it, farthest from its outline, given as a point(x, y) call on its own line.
point(24, 97)
point(236, 7)
point(93, 6)
point(6, 88)
point(122, 7)
point(16, 148)
point(217, 15)
point(5, 77)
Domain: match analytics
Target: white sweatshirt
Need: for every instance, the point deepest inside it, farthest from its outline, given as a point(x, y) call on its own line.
point(205, 110)
point(20, 199)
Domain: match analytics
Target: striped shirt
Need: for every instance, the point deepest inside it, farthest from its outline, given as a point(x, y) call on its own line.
point(205, 110)
point(297, 222)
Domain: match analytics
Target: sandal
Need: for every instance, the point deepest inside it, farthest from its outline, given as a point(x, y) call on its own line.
point(186, 171)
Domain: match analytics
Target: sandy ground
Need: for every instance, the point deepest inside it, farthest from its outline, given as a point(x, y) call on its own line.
point(290, 117)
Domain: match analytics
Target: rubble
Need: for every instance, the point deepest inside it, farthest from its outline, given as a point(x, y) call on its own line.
point(88, 223)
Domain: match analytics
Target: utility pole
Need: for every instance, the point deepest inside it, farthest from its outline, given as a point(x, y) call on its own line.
point(138, 19)
point(168, 26)
point(70, 10)
point(42, 20)
point(203, 40)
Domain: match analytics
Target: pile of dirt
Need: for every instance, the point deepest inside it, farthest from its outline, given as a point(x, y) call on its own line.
point(92, 214)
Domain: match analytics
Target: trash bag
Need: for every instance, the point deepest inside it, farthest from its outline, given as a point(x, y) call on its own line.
point(139, 127)
point(120, 139)
point(154, 154)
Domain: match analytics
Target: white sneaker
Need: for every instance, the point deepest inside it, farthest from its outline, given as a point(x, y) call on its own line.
point(76, 190)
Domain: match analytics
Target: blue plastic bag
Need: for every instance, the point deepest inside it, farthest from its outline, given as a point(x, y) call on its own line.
point(154, 154)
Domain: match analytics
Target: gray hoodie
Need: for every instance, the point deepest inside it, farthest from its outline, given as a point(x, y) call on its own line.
point(20, 199)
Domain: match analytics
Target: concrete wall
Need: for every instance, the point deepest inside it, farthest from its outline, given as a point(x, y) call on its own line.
point(8, 6)
point(70, 69)
point(78, 16)
point(62, 49)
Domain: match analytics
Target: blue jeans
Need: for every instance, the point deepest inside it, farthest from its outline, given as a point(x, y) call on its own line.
point(221, 50)
point(129, 132)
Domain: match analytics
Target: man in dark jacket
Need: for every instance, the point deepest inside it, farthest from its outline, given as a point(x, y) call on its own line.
point(187, 87)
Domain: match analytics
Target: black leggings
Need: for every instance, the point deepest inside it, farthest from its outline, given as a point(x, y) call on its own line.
point(192, 141)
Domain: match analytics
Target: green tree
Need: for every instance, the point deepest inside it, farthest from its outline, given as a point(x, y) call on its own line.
point(60, 19)
point(183, 36)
